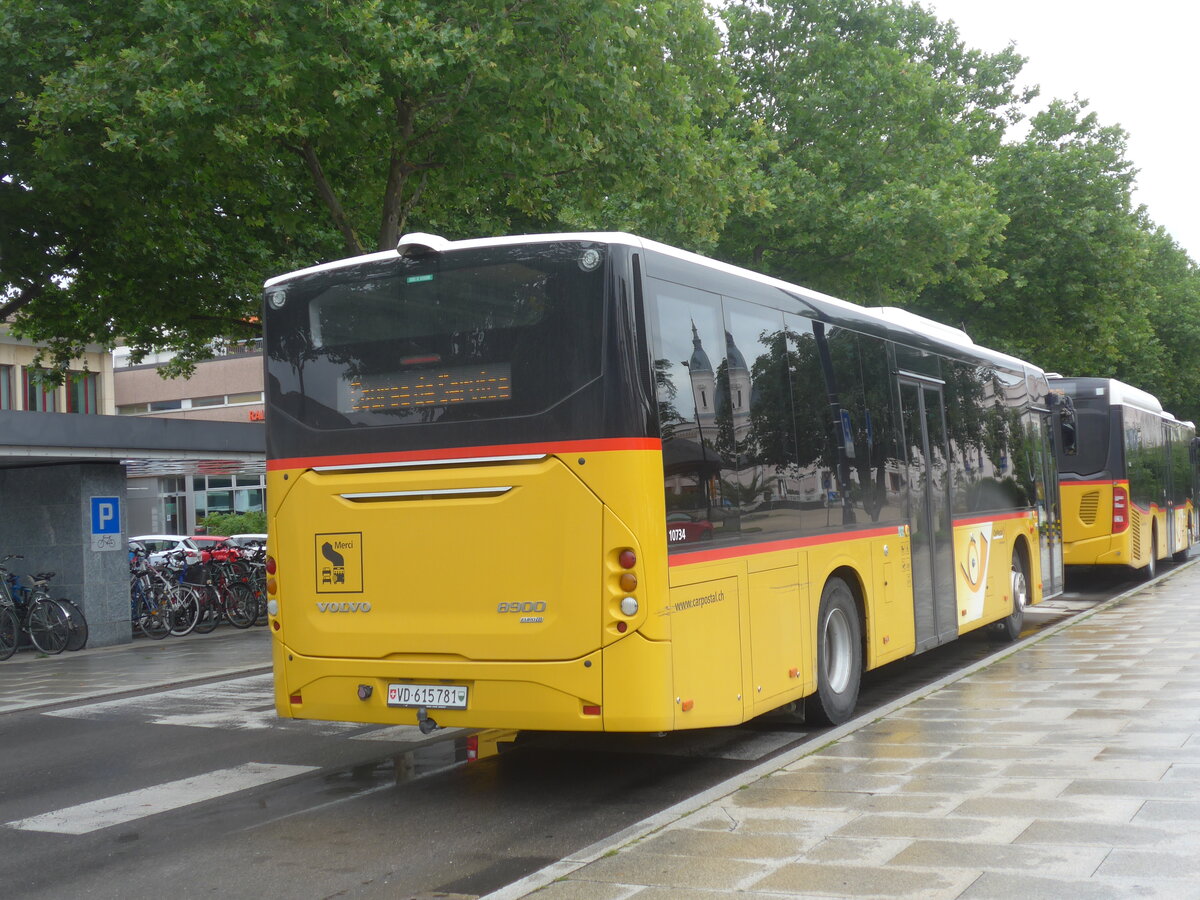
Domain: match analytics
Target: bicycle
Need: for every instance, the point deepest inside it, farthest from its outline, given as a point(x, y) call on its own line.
point(37, 615)
point(147, 605)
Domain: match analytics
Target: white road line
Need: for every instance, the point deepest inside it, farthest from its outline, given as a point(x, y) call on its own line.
point(88, 817)
point(240, 704)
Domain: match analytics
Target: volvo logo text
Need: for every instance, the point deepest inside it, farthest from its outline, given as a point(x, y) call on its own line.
point(345, 606)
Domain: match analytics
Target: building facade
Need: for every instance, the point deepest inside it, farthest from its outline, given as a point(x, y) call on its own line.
point(228, 388)
point(88, 389)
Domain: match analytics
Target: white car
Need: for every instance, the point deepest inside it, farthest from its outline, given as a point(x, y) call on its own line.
point(159, 547)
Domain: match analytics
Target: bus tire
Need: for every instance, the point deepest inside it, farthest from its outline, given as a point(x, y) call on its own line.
point(839, 656)
point(1009, 628)
point(1151, 569)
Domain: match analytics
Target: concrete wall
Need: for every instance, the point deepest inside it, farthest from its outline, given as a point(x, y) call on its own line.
point(45, 515)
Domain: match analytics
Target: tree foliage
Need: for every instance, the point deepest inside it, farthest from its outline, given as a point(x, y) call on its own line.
point(160, 158)
point(874, 114)
point(165, 156)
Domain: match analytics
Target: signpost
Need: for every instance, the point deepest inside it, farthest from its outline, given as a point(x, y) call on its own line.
point(106, 523)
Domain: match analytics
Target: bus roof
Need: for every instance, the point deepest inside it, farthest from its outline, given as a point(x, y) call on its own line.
point(899, 322)
point(1118, 392)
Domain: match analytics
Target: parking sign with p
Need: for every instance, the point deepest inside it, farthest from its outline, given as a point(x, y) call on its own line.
point(106, 523)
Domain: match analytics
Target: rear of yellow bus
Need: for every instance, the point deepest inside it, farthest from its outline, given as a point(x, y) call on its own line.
point(1094, 492)
point(463, 476)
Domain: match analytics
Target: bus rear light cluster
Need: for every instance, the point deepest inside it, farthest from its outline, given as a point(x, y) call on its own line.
point(623, 602)
point(272, 584)
point(1120, 509)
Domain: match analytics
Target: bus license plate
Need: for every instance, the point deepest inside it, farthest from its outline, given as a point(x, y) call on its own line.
point(432, 696)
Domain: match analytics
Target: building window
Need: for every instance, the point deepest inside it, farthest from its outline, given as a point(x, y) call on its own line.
point(39, 395)
point(249, 397)
point(82, 392)
point(6, 387)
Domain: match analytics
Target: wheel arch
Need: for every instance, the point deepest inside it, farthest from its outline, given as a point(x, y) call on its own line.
point(1021, 548)
point(858, 590)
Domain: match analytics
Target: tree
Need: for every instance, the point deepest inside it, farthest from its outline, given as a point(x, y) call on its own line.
point(1073, 300)
point(874, 115)
point(162, 157)
point(1175, 317)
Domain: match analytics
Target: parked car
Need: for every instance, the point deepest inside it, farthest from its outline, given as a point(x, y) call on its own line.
point(682, 528)
point(159, 547)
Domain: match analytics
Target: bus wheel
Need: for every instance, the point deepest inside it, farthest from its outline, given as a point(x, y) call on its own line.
point(1009, 628)
point(1152, 567)
point(839, 656)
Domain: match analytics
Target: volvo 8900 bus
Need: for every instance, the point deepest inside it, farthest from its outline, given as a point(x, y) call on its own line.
point(588, 482)
point(1128, 487)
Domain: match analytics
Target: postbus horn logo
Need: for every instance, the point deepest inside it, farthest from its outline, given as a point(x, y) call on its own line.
point(975, 565)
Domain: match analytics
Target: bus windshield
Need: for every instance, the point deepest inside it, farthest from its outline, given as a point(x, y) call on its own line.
point(1092, 431)
point(495, 333)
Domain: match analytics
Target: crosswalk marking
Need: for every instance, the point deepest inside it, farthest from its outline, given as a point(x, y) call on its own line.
point(240, 704)
point(88, 817)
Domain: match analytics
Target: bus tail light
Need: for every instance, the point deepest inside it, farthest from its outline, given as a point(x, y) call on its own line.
point(1120, 509)
point(271, 565)
point(472, 748)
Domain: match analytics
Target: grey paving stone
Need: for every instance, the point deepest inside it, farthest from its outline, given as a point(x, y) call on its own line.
point(1184, 814)
point(636, 867)
point(830, 781)
point(865, 881)
point(723, 844)
point(762, 796)
point(1097, 770)
point(1140, 789)
point(1158, 866)
point(674, 893)
point(1123, 834)
point(933, 828)
point(1065, 860)
point(842, 765)
point(855, 851)
point(1029, 886)
point(587, 890)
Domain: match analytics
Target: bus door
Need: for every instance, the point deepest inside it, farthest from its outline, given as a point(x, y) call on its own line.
point(927, 451)
point(1173, 542)
point(1049, 504)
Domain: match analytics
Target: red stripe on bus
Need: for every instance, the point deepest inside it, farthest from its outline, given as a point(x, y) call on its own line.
point(1104, 483)
point(604, 445)
point(983, 520)
point(699, 556)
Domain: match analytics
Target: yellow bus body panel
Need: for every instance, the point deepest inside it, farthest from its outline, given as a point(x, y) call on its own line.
point(983, 554)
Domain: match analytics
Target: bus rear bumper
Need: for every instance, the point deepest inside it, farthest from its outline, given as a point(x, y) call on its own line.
point(528, 696)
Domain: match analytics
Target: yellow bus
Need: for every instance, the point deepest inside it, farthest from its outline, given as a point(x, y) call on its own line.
point(589, 482)
point(1128, 481)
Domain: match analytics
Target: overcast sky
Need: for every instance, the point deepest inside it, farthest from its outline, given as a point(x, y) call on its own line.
point(1136, 64)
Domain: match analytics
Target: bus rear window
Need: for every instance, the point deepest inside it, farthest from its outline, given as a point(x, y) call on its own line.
point(508, 331)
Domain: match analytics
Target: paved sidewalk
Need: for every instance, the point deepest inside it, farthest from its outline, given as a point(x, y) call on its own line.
point(1068, 769)
point(29, 681)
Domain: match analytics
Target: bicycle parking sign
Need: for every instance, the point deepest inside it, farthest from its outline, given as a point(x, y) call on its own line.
point(106, 523)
